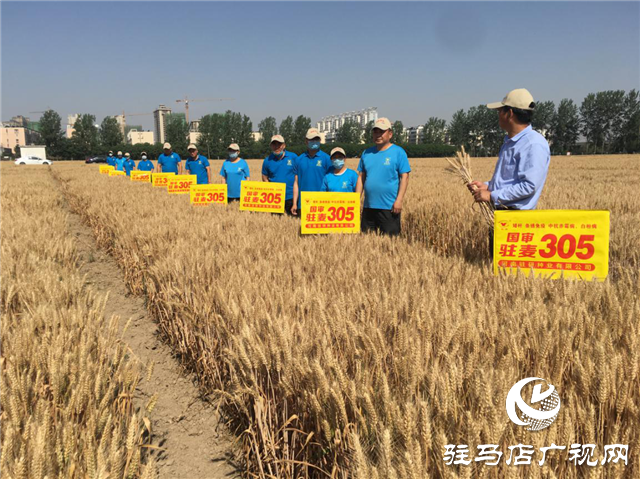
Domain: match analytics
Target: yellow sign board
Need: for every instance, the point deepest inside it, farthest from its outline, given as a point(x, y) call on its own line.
point(117, 173)
point(161, 180)
point(204, 195)
point(325, 213)
point(262, 196)
point(142, 176)
point(181, 184)
point(105, 169)
point(552, 243)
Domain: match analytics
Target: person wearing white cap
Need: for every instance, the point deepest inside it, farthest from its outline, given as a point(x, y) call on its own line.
point(129, 164)
point(169, 161)
point(119, 162)
point(383, 178)
point(341, 179)
point(278, 168)
point(111, 161)
point(309, 168)
point(234, 171)
point(198, 165)
point(523, 161)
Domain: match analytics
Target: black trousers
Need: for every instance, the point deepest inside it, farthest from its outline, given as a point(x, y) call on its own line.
point(382, 221)
point(288, 204)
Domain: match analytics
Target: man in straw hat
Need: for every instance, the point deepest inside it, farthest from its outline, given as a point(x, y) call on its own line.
point(310, 168)
point(278, 168)
point(383, 177)
point(523, 161)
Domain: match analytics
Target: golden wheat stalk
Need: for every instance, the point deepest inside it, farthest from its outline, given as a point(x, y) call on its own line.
point(461, 166)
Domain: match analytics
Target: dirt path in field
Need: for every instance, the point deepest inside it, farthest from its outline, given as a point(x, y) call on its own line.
point(196, 445)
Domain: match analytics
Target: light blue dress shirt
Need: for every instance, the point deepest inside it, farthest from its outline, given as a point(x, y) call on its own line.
point(521, 171)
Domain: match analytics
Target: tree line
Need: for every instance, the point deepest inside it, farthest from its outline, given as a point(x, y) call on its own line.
point(609, 121)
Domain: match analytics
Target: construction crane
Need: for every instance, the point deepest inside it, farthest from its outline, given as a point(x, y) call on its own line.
point(186, 102)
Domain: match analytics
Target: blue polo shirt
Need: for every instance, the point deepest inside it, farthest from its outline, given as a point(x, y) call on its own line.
point(169, 163)
point(343, 183)
point(119, 164)
point(521, 171)
point(145, 165)
point(311, 171)
point(281, 171)
point(235, 173)
point(198, 166)
point(129, 165)
point(111, 161)
point(383, 170)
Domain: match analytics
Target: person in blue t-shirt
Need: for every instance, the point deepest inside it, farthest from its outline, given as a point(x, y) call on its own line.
point(111, 161)
point(145, 164)
point(341, 179)
point(234, 171)
point(310, 168)
point(169, 161)
point(119, 162)
point(383, 177)
point(198, 165)
point(278, 168)
point(129, 164)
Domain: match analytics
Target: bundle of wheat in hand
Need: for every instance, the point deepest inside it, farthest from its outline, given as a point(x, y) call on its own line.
point(461, 166)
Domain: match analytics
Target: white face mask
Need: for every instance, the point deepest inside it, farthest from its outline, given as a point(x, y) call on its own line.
point(144, 157)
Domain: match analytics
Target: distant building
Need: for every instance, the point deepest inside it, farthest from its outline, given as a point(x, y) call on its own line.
point(257, 136)
point(414, 134)
point(193, 137)
point(160, 122)
point(329, 125)
point(71, 121)
point(122, 123)
point(135, 137)
point(12, 134)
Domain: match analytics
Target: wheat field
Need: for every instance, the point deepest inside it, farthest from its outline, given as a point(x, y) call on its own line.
point(67, 385)
point(358, 355)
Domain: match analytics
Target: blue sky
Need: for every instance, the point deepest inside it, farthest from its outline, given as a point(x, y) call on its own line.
point(412, 60)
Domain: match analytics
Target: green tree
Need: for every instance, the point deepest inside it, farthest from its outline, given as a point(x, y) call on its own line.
point(349, 132)
point(51, 130)
point(245, 137)
point(485, 135)
point(267, 128)
point(434, 131)
point(459, 131)
point(589, 119)
point(565, 127)
point(86, 134)
point(286, 129)
point(611, 105)
point(211, 134)
point(300, 127)
point(629, 139)
point(177, 132)
point(542, 118)
point(398, 132)
point(366, 135)
point(110, 133)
